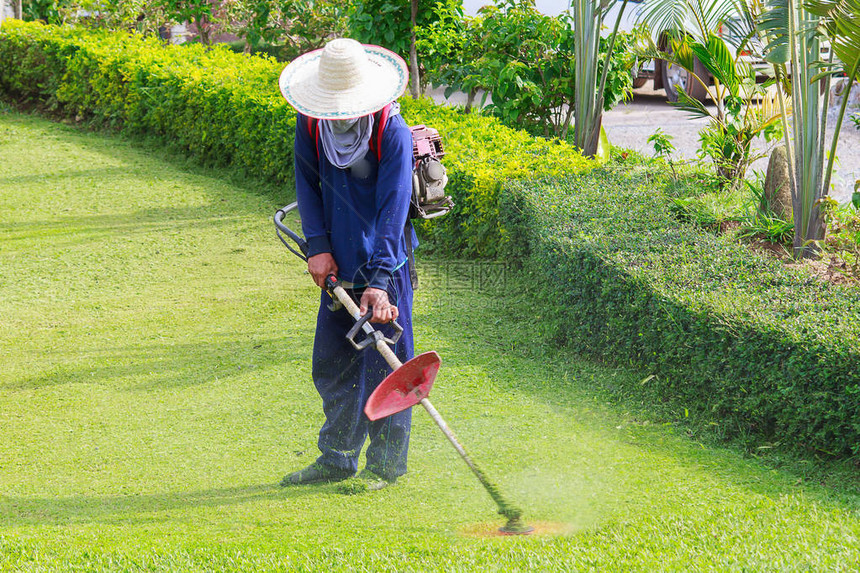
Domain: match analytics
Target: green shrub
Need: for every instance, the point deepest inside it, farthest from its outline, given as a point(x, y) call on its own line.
point(222, 107)
point(225, 108)
point(739, 339)
point(481, 155)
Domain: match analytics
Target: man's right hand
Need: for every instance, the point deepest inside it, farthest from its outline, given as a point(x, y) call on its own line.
point(321, 266)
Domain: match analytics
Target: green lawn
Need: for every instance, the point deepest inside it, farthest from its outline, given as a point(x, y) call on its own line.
point(155, 343)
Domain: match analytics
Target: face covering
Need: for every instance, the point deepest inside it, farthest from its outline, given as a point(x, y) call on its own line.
point(341, 126)
point(346, 141)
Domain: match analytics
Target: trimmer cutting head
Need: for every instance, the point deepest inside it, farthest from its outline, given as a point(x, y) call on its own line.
point(405, 387)
point(515, 526)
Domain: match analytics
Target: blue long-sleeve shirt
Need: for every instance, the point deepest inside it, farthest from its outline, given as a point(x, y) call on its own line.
point(357, 215)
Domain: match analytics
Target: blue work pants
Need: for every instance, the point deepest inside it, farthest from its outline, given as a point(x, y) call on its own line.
point(345, 378)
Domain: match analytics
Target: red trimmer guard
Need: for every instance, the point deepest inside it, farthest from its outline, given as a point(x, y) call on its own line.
point(404, 387)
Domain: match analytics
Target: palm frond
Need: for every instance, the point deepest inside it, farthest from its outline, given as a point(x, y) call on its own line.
point(665, 15)
point(742, 24)
point(842, 25)
point(691, 105)
point(714, 13)
point(774, 26)
point(718, 60)
point(694, 17)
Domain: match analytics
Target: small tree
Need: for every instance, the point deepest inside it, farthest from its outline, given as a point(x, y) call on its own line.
point(450, 46)
point(207, 16)
point(48, 11)
point(394, 24)
point(142, 16)
point(297, 25)
point(526, 64)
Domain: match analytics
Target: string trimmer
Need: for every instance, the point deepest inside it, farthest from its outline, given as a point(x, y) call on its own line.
point(408, 384)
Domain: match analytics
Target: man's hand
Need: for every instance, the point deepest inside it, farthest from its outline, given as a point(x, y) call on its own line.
point(383, 310)
point(321, 266)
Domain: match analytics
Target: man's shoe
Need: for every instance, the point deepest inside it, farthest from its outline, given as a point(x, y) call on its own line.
point(315, 473)
point(364, 482)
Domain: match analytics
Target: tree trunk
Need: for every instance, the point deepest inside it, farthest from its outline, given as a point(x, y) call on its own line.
point(806, 245)
point(19, 10)
point(593, 137)
point(415, 86)
point(203, 30)
point(470, 101)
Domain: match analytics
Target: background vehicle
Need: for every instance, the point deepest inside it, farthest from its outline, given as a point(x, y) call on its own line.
point(669, 77)
point(665, 76)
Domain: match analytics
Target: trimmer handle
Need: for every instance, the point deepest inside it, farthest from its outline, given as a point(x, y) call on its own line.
point(332, 283)
point(297, 239)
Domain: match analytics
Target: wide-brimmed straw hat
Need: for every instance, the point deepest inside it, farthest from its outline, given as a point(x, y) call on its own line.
point(345, 79)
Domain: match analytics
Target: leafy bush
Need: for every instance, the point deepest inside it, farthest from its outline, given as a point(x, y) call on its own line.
point(450, 47)
point(523, 59)
point(50, 11)
point(756, 348)
point(286, 28)
point(389, 22)
point(482, 155)
point(222, 107)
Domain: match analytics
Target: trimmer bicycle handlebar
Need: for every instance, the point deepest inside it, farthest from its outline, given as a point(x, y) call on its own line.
point(373, 336)
point(297, 239)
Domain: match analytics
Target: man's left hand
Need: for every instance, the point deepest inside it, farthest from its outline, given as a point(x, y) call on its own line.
point(383, 310)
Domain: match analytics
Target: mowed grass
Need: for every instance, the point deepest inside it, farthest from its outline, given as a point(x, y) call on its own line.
point(155, 340)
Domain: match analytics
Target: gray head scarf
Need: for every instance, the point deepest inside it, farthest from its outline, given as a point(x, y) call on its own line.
point(347, 141)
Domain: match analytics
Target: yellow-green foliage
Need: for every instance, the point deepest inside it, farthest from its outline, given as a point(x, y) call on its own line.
point(225, 108)
point(222, 107)
point(481, 154)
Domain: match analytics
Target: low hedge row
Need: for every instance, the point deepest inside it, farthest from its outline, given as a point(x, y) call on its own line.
point(225, 108)
point(755, 347)
point(216, 104)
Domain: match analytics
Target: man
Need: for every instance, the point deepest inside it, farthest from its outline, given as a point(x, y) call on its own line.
point(353, 186)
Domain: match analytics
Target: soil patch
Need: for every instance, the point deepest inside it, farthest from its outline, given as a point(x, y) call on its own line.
point(491, 529)
point(828, 269)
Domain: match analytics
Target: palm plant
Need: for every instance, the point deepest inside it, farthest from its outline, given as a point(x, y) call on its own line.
point(697, 18)
point(744, 108)
point(794, 31)
point(590, 77)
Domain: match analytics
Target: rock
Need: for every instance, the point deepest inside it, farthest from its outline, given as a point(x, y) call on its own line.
point(838, 91)
point(777, 185)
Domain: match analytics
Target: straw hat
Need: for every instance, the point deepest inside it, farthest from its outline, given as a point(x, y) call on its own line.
point(345, 79)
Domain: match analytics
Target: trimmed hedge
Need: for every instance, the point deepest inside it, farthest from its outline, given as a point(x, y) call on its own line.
point(225, 108)
point(741, 339)
point(220, 106)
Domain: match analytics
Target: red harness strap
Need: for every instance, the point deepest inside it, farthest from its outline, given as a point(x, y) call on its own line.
point(380, 118)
